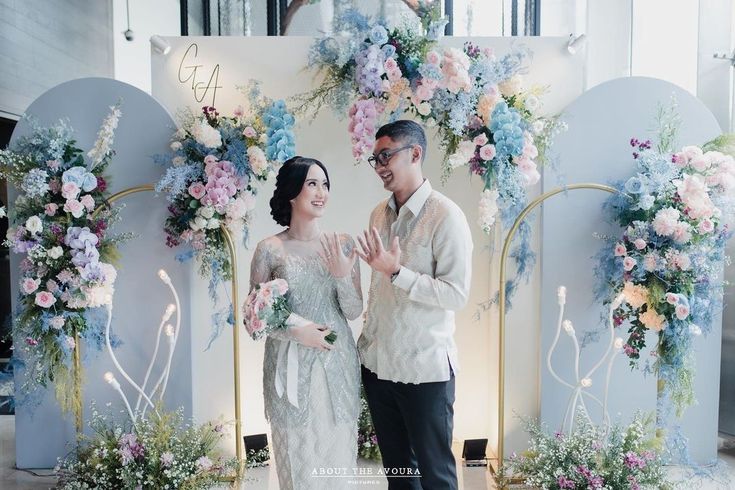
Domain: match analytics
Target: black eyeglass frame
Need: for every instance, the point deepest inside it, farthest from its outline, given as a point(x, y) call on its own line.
point(383, 158)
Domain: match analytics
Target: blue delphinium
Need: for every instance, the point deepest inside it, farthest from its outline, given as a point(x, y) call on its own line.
point(281, 145)
point(507, 130)
point(176, 180)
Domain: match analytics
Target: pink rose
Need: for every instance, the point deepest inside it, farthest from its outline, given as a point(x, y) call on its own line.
point(209, 159)
point(74, 207)
point(620, 250)
point(487, 152)
point(197, 190)
point(682, 311)
point(390, 64)
point(480, 139)
point(70, 190)
point(700, 164)
point(672, 298)
point(249, 132)
point(528, 169)
point(29, 285)
point(88, 202)
point(51, 209)
point(629, 263)
point(640, 243)
point(44, 299)
point(424, 92)
point(706, 226)
point(282, 286)
point(394, 75)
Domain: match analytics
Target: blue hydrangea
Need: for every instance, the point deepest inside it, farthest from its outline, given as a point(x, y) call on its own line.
point(281, 144)
point(35, 183)
point(430, 71)
point(507, 130)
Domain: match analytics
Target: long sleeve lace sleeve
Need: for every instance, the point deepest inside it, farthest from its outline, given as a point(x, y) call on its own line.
point(349, 290)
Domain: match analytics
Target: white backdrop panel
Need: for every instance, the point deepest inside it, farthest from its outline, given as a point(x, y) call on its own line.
point(596, 149)
point(140, 297)
point(189, 79)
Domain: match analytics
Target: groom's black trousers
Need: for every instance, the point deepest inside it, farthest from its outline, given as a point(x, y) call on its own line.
point(414, 424)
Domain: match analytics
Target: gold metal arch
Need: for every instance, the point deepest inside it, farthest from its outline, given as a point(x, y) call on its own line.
point(235, 329)
point(501, 305)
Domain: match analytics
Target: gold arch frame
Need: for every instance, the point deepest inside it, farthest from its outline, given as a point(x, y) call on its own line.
point(235, 329)
point(501, 305)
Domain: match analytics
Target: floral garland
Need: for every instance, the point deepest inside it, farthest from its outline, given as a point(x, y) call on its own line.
point(214, 166)
point(669, 256)
point(484, 120)
point(67, 272)
point(161, 452)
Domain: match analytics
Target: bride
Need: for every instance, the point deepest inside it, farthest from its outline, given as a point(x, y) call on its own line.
point(310, 386)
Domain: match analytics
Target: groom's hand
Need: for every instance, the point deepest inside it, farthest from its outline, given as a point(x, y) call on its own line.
point(376, 256)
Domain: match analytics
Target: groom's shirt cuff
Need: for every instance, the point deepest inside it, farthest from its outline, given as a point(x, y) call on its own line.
point(405, 278)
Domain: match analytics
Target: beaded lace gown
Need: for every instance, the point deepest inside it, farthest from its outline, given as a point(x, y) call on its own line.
point(314, 418)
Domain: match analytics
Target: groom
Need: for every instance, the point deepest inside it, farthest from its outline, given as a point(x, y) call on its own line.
point(420, 250)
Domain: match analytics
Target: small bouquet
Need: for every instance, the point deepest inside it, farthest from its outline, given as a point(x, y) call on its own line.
point(266, 310)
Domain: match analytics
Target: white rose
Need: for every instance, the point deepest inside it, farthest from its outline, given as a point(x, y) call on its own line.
point(55, 252)
point(263, 138)
point(431, 122)
point(532, 103)
point(213, 224)
point(34, 225)
point(198, 223)
point(175, 146)
point(424, 108)
point(206, 135)
point(206, 212)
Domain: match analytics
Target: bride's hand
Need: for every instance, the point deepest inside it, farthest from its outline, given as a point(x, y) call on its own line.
point(338, 264)
point(312, 335)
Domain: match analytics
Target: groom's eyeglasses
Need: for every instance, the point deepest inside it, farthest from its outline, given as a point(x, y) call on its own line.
point(382, 159)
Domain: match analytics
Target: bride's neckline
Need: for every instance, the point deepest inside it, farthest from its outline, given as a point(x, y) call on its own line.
point(288, 233)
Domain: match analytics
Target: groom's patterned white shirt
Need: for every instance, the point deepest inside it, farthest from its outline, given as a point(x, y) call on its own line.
point(408, 334)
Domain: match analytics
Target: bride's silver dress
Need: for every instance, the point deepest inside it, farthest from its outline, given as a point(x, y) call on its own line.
point(320, 434)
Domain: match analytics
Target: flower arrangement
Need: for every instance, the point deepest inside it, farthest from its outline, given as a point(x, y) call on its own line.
point(589, 458)
point(156, 452)
point(67, 270)
point(367, 440)
point(266, 309)
point(210, 183)
point(668, 258)
point(485, 120)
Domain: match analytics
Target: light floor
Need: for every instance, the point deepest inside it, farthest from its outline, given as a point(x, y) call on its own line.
point(266, 479)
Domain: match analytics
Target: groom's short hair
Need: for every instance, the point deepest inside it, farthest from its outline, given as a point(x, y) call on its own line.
point(406, 131)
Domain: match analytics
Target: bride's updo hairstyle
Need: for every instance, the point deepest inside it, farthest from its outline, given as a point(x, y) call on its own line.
point(289, 182)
